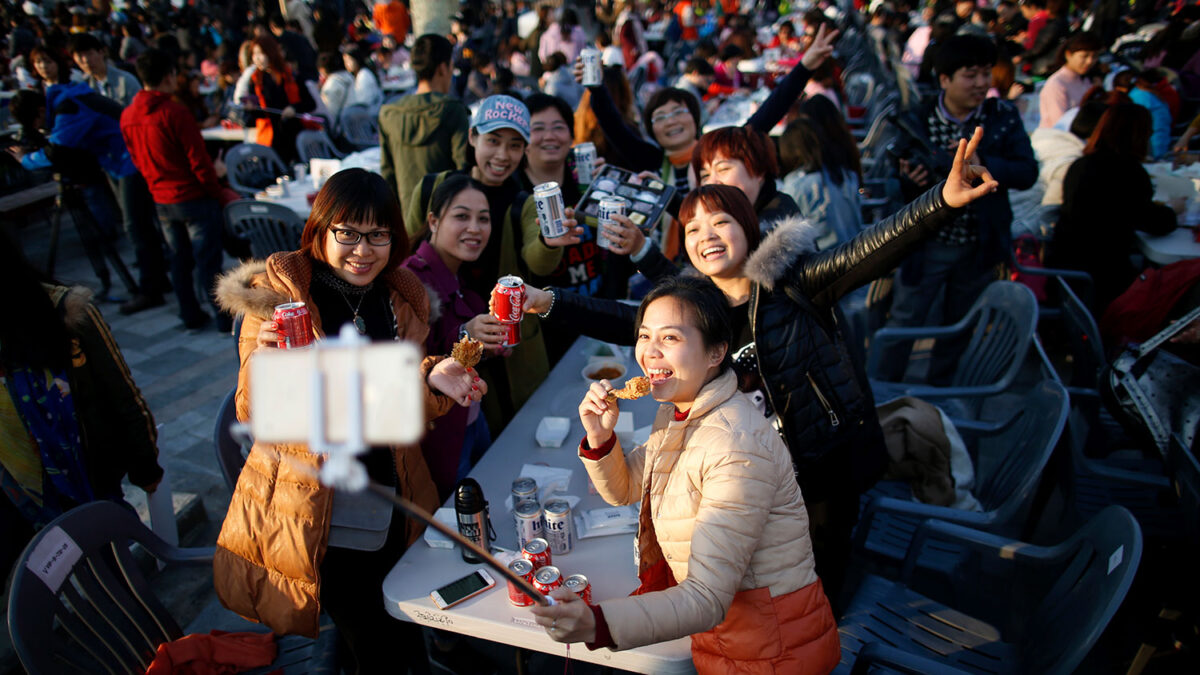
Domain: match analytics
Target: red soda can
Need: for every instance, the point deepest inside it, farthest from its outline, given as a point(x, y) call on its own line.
point(524, 569)
point(547, 579)
point(508, 303)
point(294, 326)
point(537, 551)
point(579, 585)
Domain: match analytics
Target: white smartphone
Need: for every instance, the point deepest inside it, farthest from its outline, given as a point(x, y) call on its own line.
point(467, 587)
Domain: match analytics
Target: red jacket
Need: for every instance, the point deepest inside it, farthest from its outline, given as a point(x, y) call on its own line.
point(165, 144)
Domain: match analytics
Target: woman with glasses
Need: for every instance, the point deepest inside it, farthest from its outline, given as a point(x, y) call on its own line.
point(789, 350)
point(287, 550)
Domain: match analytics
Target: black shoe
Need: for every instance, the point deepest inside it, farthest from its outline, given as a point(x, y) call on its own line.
point(142, 302)
point(197, 322)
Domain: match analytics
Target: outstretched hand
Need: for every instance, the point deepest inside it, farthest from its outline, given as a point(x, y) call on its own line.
point(820, 49)
point(961, 188)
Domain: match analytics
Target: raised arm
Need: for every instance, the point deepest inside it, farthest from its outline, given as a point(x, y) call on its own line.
point(642, 155)
point(781, 99)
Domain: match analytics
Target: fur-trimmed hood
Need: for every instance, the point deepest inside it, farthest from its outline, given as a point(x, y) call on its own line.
point(789, 239)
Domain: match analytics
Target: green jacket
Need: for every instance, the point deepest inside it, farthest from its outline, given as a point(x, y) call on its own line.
point(420, 134)
point(513, 379)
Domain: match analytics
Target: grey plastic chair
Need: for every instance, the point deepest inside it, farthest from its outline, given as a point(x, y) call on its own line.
point(1016, 439)
point(94, 612)
point(315, 143)
point(252, 167)
point(231, 455)
point(1000, 327)
point(359, 126)
point(268, 227)
point(1027, 609)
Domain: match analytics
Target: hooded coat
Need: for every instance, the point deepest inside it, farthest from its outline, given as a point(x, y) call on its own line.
point(81, 119)
point(268, 558)
point(165, 142)
point(421, 134)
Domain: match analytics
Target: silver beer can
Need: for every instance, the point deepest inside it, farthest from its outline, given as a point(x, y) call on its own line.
point(524, 489)
point(609, 207)
point(551, 210)
point(593, 74)
point(528, 517)
point(558, 530)
point(585, 160)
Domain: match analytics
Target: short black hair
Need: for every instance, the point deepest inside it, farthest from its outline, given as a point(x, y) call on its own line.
point(1083, 41)
point(664, 96)
point(429, 52)
point(84, 42)
point(554, 62)
point(731, 52)
point(276, 20)
point(25, 106)
point(698, 66)
point(330, 62)
point(538, 101)
point(1088, 118)
point(154, 66)
point(710, 310)
point(963, 51)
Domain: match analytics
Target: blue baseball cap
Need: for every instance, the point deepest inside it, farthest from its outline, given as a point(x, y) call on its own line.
point(501, 112)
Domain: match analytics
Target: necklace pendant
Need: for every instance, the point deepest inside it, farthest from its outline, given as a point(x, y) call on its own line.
point(360, 325)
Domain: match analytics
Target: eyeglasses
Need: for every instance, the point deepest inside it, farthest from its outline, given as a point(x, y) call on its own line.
point(663, 117)
point(352, 237)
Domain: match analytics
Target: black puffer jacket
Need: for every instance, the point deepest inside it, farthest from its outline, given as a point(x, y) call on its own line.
point(817, 388)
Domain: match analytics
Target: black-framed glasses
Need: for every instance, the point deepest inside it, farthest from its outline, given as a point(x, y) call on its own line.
point(352, 237)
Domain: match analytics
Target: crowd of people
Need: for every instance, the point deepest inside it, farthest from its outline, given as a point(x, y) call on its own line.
point(1010, 118)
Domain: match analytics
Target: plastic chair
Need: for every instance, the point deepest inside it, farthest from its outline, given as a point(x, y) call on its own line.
point(359, 127)
point(80, 603)
point(231, 454)
point(1030, 609)
point(252, 167)
point(1184, 469)
point(1081, 283)
point(315, 143)
point(1000, 327)
point(1015, 441)
point(268, 227)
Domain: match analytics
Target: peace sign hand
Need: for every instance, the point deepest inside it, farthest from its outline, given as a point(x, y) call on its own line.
point(960, 188)
point(820, 49)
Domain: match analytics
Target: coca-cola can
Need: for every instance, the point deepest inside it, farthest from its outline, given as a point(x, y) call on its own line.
point(293, 325)
point(524, 489)
point(528, 515)
point(609, 207)
point(579, 585)
point(524, 569)
point(537, 551)
point(508, 303)
point(551, 211)
point(593, 75)
point(585, 161)
point(547, 579)
point(558, 531)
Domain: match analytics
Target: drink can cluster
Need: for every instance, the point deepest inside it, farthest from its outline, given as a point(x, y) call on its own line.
point(609, 207)
point(537, 552)
point(551, 211)
point(557, 529)
point(528, 516)
point(508, 303)
point(293, 326)
point(524, 569)
point(585, 162)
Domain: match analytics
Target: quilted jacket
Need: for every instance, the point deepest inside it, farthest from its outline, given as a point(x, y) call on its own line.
point(268, 558)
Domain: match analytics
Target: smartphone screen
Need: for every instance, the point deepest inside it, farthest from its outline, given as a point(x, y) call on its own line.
point(455, 592)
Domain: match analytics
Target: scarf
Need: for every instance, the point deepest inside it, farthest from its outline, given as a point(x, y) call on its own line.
point(265, 129)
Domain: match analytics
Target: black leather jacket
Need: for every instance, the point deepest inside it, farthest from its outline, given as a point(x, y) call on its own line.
point(814, 384)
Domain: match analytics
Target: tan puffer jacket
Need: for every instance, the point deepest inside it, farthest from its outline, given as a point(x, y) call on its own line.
point(726, 510)
point(273, 540)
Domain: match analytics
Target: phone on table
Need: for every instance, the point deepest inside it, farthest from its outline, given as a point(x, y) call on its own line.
point(467, 587)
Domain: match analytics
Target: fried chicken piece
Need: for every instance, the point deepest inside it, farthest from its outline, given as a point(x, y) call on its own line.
point(467, 351)
point(635, 387)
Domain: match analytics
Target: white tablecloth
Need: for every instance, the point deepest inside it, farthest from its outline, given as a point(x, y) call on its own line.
point(297, 200)
point(606, 561)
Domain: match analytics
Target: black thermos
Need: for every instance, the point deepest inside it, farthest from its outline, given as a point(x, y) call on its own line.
point(471, 510)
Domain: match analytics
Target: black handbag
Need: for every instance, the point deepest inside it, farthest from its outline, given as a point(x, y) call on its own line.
point(1154, 392)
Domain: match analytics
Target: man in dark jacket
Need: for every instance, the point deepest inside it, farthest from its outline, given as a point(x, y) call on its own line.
point(296, 49)
point(957, 263)
point(165, 144)
point(425, 132)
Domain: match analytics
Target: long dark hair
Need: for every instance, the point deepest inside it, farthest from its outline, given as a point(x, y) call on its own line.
point(33, 334)
point(357, 197)
point(839, 151)
point(710, 310)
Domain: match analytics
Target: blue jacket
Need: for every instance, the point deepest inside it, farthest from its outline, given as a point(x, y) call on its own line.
point(1005, 151)
point(1160, 117)
point(81, 119)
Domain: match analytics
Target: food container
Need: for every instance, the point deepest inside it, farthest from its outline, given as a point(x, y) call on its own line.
point(603, 369)
point(552, 431)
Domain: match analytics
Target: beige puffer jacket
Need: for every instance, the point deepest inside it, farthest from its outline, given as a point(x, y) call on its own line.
point(726, 509)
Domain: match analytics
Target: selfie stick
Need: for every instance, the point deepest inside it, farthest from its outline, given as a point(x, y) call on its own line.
point(341, 471)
